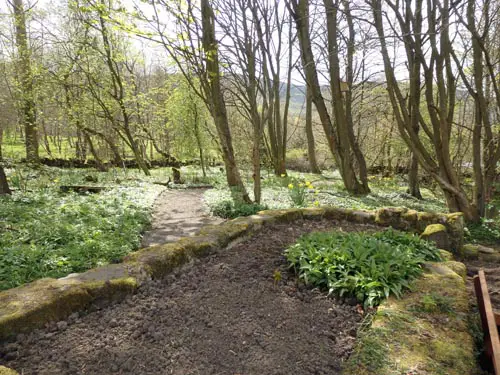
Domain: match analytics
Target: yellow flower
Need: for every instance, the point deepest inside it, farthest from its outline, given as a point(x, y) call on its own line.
point(283, 175)
point(316, 203)
point(301, 185)
point(290, 186)
point(308, 183)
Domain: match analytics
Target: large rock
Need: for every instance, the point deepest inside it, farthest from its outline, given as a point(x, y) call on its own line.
point(7, 371)
point(437, 234)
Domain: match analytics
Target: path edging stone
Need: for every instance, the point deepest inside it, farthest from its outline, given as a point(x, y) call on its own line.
point(34, 305)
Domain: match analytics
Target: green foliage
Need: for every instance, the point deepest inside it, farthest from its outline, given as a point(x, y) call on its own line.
point(227, 209)
point(329, 191)
point(298, 191)
point(48, 234)
point(487, 232)
point(367, 266)
point(432, 303)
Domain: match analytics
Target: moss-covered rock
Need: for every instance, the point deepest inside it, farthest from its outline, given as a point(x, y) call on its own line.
point(281, 216)
point(335, 213)
point(31, 306)
point(455, 225)
point(226, 232)
point(392, 217)
point(469, 251)
point(446, 255)
point(457, 267)
point(7, 371)
point(313, 213)
point(361, 217)
point(425, 330)
point(160, 260)
point(438, 234)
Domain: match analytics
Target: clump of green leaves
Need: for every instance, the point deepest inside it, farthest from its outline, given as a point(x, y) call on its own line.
point(487, 232)
point(366, 266)
point(228, 209)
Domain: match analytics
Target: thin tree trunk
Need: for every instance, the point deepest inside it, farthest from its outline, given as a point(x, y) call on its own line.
point(217, 103)
point(28, 107)
point(311, 147)
point(4, 185)
point(100, 165)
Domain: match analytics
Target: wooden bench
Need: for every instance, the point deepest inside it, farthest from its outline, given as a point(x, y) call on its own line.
point(490, 321)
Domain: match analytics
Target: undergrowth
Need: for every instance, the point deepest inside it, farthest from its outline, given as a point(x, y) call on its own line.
point(367, 266)
point(228, 209)
point(48, 234)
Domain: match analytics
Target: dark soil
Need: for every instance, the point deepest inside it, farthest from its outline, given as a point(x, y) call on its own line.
point(224, 314)
point(492, 272)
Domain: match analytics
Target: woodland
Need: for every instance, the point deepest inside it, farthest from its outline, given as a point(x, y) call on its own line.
point(275, 104)
point(256, 181)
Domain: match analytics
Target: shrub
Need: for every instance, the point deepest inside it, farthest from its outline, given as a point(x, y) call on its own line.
point(366, 266)
point(227, 209)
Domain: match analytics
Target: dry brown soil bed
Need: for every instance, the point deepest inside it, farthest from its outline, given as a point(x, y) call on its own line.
point(223, 314)
point(492, 271)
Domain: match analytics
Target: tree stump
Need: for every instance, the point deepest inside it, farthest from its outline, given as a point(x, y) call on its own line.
point(177, 176)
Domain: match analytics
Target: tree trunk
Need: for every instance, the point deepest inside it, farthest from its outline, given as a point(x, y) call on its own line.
point(217, 103)
point(413, 183)
point(311, 147)
point(28, 108)
point(100, 165)
point(4, 185)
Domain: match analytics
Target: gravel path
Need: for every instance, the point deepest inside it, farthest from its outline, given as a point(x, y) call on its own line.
point(177, 213)
point(224, 314)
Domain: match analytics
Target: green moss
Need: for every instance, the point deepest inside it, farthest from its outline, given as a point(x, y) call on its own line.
point(282, 216)
point(7, 371)
point(433, 229)
point(225, 233)
point(457, 267)
point(446, 255)
point(469, 251)
point(35, 304)
point(426, 329)
point(160, 260)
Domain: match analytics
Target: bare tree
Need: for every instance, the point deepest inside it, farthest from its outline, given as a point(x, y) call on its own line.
point(25, 77)
point(339, 130)
point(435, 61)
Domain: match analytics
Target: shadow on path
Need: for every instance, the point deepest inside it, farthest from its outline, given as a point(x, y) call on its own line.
point(177, 213)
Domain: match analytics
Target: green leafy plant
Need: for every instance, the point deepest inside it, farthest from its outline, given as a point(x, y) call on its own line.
point(366, 266)
point(228, 209)
point(486, 232)
point(48, 234)
point(298, 192)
